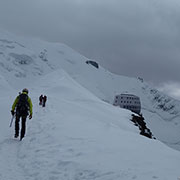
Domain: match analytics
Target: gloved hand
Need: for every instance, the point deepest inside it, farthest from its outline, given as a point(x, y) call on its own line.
point(30, 116)
point(12, 112)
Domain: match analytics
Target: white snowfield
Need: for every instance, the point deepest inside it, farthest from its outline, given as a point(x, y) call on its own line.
point(79, 135)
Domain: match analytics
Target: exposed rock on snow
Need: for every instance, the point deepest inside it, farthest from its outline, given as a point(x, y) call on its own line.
point(95, 64)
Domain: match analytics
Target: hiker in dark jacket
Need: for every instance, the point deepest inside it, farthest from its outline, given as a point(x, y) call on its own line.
point(44, 101)
point(40, 99)
point(23, 107)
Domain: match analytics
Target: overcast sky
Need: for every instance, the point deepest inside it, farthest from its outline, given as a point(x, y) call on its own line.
point(139, 38)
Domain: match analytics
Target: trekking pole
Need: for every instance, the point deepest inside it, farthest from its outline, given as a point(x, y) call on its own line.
point(11, 121)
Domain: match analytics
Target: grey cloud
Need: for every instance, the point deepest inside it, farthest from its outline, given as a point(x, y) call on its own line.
point(171, 88)
point(130, 37)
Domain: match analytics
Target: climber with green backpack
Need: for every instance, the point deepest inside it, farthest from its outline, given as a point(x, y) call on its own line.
point(21, 108)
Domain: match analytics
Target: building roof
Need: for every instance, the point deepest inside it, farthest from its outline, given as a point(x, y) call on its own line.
point(127, 95)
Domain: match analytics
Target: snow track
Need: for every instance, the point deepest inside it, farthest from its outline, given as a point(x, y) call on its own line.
point(43, 156)
point(10, 168)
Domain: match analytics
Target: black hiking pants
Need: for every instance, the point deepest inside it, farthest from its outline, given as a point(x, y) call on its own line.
point(44, 104)
point(23, 125)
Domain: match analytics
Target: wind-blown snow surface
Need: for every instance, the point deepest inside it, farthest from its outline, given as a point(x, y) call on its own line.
point(78, 136)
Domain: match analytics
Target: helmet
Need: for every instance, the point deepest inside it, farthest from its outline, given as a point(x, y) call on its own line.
point(25, 90)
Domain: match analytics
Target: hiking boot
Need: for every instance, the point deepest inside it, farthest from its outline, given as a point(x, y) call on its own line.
point(21, 138)
point(16, 136)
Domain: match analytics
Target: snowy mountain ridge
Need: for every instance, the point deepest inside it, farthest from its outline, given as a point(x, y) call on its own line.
point(35, 58)
point(32, 58)
point(24, 60)
point(79, 136)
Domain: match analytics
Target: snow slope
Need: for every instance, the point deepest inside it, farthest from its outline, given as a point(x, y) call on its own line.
point(78, 136)
point(24, 60)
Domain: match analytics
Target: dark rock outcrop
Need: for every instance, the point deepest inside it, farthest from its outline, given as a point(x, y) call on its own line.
point(138, 120)
point(95, 64)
